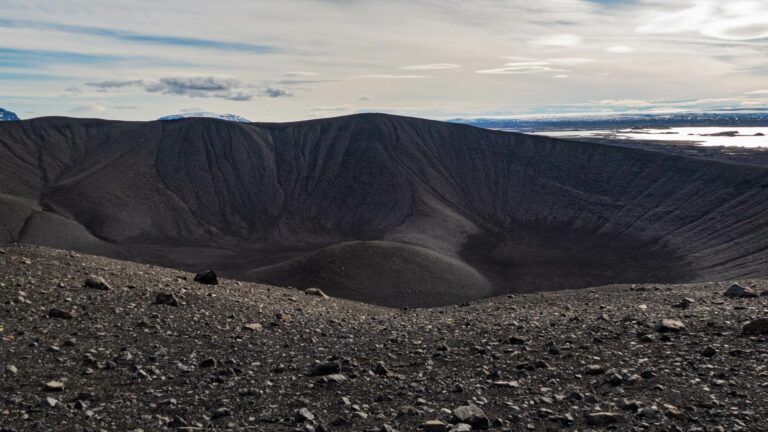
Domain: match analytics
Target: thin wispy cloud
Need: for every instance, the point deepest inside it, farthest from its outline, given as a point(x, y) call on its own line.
point(89, 108)
point(392, 76)
point(431, 66)
point(337, 108)
point(33, 58)
point(143, 38)
point(517, 68)
point(620, 49)
point(299, 74)
point(559, 40)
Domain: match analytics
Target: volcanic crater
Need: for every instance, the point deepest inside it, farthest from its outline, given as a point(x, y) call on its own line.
point(390, 210)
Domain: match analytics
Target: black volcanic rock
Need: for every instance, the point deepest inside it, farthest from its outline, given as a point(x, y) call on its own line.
point(738, 291)
point(756, 327)
point(392, 210)
point(207, 278)
point(167, 299)
point(59, 313)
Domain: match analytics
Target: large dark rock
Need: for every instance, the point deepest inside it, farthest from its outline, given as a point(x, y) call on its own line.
point(738, 291)
point(756, 327)
point(167, 299)
point(208, 277)
point(471, 415)
point(60, 313)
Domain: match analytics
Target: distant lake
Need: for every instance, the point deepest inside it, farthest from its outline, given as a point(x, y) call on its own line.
point(705, 136)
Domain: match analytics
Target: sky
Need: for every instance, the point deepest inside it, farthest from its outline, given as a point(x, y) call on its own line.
point(297, 59)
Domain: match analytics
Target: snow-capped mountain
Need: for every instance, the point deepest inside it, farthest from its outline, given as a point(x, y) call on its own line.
point(6, 115)
point(227, 117)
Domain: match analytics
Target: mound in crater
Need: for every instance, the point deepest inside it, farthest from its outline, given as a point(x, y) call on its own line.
point(389, 210)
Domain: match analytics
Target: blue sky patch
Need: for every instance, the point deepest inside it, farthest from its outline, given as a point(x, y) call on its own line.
point(128, 36)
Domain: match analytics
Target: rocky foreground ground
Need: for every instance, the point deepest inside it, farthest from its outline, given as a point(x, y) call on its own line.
point(151, 349)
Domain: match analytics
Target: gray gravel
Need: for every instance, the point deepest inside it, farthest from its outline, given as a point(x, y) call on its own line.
point(243, 356)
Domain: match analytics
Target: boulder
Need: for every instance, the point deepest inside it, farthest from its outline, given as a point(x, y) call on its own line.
point(96, 282)
point(756, 327)
point(208, 277)
point(471, 415)
point(738, 291)
point(166, 299)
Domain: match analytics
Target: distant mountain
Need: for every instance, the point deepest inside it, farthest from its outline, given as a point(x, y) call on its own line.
point(6, 115)
point(619, 121)
point(382, 209)
point(227, 117)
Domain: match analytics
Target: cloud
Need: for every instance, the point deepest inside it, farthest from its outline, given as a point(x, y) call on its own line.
point(212, 87)
point(334, 108)
point(626, 102)
point(620, 49)
point(365, 98)
point(90, 107)
point(517, 68)
point(561, 76)
point(570, 61)
point(387, 76)
point(559, 40)
point(274, 92)
point(294, 82)
point(758, 92)
point(431, 66)
point(105, 86)
point(195, 86)
point(125, 107)
point(729, 21)
point(300, 74)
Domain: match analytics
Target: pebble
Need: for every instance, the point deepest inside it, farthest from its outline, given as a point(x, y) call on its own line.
point(60, 314)
point(317, 292)
point(304, 415)
point(54, 386)
point(603, 418)
point(670, 325)
point(433, 426)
